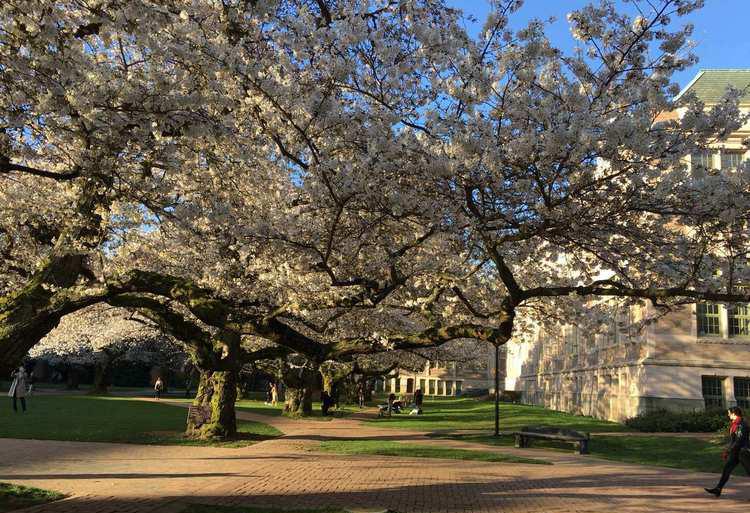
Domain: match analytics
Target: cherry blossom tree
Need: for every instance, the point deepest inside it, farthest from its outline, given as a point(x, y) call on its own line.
point(347, 178)
point(102, 336)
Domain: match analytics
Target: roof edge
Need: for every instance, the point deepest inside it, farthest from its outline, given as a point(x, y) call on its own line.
point(689, 85)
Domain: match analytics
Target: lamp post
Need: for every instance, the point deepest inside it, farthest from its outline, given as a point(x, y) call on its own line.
point(497, 390)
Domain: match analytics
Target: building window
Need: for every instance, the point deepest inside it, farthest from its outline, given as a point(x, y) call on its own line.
point(440, 388)
point(387, 387)
point(432, 387)
point(713, 392)
point(739, 321)
point(703, 159)
point(397, 385)
point(422, 385)
point(742, 392)
point(449, 388)
point(731, 159)
point(708, 319)
point(458, 387)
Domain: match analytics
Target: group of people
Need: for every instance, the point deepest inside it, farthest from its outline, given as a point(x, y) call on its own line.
point(395, 406)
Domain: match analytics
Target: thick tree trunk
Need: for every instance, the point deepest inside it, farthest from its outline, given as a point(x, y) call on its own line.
point(223, 421)
point(300, 384)
point(101, 378)
point(298, 401)
point(103, 363)
point(202, 399)
point(217, 392)
point(72, 378)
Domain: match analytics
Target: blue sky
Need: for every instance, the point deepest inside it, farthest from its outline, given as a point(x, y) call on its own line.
point(722, 29)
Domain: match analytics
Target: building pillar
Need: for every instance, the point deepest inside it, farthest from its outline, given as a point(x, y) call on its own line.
point(728, 384)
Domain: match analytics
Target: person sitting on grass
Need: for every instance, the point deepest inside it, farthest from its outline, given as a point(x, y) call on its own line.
point(736, 452)
point(391, 401)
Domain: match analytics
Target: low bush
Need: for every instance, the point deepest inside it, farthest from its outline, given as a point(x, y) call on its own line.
point(666, 421)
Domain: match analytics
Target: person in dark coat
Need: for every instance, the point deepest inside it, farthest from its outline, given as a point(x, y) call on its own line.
point(325, 402)
point(736, 452)
point(418, 400)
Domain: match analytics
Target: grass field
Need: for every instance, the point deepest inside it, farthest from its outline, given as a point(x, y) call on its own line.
point(471, 420)
point(261, 408)
point(13, 497)
point(411, 450)
point(664, 451)
point(111, 419)
point(461, 414)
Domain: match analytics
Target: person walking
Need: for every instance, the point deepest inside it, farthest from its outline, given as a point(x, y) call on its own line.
point(158, 387)
point(18, 389)
point(418, 400)
point(274, 394)
point(391, 401)
point(736, 452)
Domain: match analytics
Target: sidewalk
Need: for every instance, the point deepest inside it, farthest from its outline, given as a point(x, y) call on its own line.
point(119, 478)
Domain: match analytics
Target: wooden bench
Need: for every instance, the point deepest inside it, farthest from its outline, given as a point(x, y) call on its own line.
point(198, 415)
point(579, 440)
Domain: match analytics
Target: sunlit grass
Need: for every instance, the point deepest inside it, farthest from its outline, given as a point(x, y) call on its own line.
point(112, 419)
point(462, 414)
point(412, 450)
point(13, 497)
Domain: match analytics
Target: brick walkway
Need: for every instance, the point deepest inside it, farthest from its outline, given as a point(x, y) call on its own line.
point(120, 478)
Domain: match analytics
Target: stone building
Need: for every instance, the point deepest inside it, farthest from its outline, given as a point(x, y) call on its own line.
point(450, 378)
point(693, 358)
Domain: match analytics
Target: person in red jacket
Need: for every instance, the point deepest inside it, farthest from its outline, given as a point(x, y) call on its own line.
point(737, 450)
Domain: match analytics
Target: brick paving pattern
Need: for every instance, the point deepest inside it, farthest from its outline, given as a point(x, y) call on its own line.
point(285, 473)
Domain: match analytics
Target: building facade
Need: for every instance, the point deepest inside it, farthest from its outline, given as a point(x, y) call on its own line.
point(450, 378)
point(693, 358)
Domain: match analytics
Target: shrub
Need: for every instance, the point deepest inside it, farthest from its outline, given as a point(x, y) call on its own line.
point(679, 422)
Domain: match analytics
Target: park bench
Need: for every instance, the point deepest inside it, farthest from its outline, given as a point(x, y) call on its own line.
point(579, 440)
point(198, 415)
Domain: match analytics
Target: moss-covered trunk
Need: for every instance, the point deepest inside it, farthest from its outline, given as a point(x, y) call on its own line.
point(298, 401)
point(222, 423)
point(217, 393)
point(300, 385)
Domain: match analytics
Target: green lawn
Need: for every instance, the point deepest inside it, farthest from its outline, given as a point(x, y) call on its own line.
point(261, 408)
point(411, 450)
point(111, 419)
point(450, 415)
point(454, 414)
point(14, 497)
point(664, 451)
point(199, 508)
